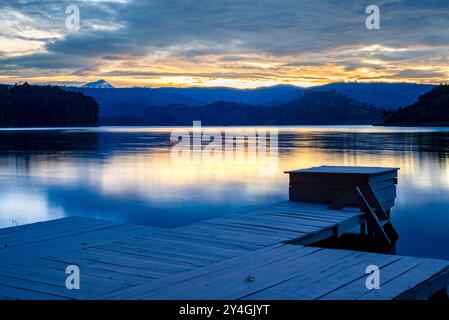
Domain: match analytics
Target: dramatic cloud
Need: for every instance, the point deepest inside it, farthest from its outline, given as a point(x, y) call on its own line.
point(224, 42)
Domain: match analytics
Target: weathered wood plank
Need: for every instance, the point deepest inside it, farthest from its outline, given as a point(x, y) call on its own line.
point(312, 280)
point(252, 258)
point(14, 293)
point(73, 240)
point(406, 281)
point(49, 225)
point(182, 251)
point(174, 236)
point(299, 275)
point(357, 288)
point(53, 282)
point(107, 265)
point(275, 220)
point(319, 209)
point(427, 288)
point(52, 265)
point(275, 227)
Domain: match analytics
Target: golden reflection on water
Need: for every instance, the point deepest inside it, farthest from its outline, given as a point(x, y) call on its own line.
point(148, 168)
point(127, 174)
point(139, 164)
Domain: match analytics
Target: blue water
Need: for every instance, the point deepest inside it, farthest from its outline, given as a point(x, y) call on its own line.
point(127, 174)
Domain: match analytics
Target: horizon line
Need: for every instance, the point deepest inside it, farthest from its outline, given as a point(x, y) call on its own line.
point(80, 85)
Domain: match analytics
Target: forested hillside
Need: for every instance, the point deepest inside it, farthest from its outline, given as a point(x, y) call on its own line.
point(45, 106)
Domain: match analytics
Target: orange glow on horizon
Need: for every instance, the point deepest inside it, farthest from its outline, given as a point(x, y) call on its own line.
point(245, 71)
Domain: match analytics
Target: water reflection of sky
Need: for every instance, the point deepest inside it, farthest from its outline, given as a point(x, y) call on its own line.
point(125, 174)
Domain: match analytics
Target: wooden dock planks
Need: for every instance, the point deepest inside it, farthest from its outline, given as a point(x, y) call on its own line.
point(60, 235)
point(206, 260)
point(126, 255)
point(293, 272)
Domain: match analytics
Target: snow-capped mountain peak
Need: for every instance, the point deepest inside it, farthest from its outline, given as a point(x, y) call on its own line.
point(99, 84)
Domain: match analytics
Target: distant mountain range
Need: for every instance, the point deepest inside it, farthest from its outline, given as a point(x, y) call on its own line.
point(432, 108)
point(134, 101)
point(337, 103)
point(381, 95)
point(312, 107)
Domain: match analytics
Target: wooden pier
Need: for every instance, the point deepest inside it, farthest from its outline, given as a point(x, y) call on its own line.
point(257, 254)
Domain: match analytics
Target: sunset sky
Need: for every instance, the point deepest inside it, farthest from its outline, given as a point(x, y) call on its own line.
point(223, 42)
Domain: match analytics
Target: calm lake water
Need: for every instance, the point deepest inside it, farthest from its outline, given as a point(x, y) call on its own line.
point(127, 174)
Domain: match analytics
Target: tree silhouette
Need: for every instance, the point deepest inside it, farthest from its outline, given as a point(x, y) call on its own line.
point(45, 106)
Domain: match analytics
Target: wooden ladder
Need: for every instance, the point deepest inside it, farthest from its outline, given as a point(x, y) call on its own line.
point(378, 220)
